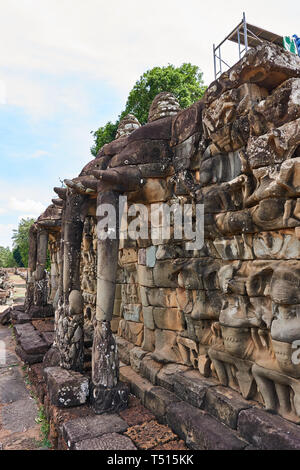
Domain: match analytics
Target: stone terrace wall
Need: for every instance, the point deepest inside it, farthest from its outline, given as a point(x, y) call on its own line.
point(231, 309)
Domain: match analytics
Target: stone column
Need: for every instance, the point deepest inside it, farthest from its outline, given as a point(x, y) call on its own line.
point(107, 393)
point(41, 281)
point(54, 270)
point(69, 313)
point(31, 267)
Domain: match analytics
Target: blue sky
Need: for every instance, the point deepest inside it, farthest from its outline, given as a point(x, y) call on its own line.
point(66, 67)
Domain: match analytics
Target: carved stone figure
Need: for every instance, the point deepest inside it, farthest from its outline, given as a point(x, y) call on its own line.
point(229, 309)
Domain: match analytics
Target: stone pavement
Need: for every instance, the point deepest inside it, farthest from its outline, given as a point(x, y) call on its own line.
point(134, 428)
point(18, 410)
point(78, 428)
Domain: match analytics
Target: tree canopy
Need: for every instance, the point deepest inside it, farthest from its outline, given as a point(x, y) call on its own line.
point(6, 258)
point(21, 240)
point(185, 82)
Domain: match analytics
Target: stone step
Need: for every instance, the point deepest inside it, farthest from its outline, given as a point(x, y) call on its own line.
point(200, 430)
point(220, 419)
point(267, 431)
point(81, 429)
point(112, 441)
point(66, 388)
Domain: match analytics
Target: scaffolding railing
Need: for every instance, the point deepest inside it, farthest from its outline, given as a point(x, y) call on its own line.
point(246, 36)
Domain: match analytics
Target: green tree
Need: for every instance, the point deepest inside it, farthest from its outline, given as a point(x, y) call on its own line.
point(6, 258)
point(104, 135)
point(185, 82)
point(17, 256)
point(21, 239)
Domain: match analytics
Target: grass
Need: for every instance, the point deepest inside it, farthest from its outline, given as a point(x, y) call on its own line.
point(11, 326)
point(41, 418)
point(45, 428)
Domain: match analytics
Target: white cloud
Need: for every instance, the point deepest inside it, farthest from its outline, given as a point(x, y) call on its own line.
point(2, 92)
point(26, 216)
point(38, 154)
point(6, 234)
point(26, 205)
point(115, 41)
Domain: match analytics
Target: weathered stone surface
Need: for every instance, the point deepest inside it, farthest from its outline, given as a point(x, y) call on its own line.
point(280, 107)
point(165, 274)
point(167, 375)
point(145, 276)
point(19, 416)
point(127, 125)
point(5, 316)
point(164, 104)
point(191, 387)
point(105, 399)
point(158, 399)
point(150, 368)
point(199, 430)
point(266, 65)
point(232, 104)
point(187, 122)
point(156, 130)
point(225, 405)
point(80, 429)
point(112, 441)
point(268, 432)
point(136, 356)
point(274, 147)
point(159, 297)
point(147, 435)
point(12, 387)
point(131, 331)
point(66, 388)
point(222, 168)
point(168, 318)
point(136, 413)
point(138, 384)
point(186, 153)
point(166, 347)
point(148, 317)
point(172, 445)
point(29, 358)
point(149, 340)
point(141, 152)
point(132, 312)
point(229, 308)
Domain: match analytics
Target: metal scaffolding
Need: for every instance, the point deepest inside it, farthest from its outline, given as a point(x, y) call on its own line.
point(244, 34)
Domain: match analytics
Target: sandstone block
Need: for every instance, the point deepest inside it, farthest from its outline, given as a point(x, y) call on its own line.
point(149, 340)
point(266, 65)
point(191, 387)
point(138, 385)
point(66, 388)
point(131, 331)
point(225, 405)
point(80, 429)
point(132, 312)
point(148, 317)
point(166, 376)
point(168, 319)
point(124, 348)
point(201, 431)
point(150, 368)
point(145, 276)
point(157, 400)
point(268, 432)
point(166, 347)
point(112, 441)
point(136, 356)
